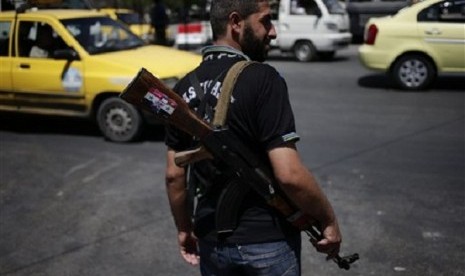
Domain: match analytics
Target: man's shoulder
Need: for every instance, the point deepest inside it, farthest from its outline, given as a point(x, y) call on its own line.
point(255, 71)
point(260, 66)
point(261, 71)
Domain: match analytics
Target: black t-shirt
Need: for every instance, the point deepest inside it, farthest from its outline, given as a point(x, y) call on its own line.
point(261, 116)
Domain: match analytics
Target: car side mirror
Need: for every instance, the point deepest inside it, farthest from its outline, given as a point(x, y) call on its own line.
point(68, 54)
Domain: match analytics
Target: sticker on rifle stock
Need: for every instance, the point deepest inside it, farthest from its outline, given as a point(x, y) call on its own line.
point(159, 102)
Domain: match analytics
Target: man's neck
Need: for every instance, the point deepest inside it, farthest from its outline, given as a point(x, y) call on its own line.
point(222, 48)
point(228, 43)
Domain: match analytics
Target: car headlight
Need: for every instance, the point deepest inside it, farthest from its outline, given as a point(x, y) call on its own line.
point(331, 26)
point(170, 82)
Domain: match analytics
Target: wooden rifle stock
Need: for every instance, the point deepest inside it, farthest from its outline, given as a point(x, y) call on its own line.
point(150, 94)
point(187, 157)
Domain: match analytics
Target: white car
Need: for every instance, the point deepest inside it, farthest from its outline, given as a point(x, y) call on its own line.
point(311, 28)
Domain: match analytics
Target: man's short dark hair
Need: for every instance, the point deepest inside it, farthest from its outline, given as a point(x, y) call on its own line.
point(221, 9)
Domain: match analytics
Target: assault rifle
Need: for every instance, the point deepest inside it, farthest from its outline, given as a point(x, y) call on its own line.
point(150, 94)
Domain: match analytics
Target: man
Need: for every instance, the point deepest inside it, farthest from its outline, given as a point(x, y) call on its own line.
point(44, 43)
point(262, 243)
point(160, 21)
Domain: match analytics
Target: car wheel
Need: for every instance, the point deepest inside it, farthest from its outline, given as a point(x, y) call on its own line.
point(118, 120)
point(305, 51)
point(413, 72)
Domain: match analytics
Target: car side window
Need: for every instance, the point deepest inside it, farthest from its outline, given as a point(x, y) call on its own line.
point(5, 31)
point(24, 40)
point(38, 40)
point(446, 11)
point(304, 7)
point(452, 11)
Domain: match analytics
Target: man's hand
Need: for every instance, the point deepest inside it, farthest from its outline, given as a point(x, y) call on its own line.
point(188, 247)
point(331, 242)
point(302, 188)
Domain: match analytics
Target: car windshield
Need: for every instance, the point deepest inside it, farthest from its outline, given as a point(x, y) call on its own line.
point(129, 18)
point(101, 34)
point(334, 6)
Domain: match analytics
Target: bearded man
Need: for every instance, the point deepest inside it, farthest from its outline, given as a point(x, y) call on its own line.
point(260, 114)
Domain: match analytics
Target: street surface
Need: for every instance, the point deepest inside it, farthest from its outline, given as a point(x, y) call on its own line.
point(392, 163)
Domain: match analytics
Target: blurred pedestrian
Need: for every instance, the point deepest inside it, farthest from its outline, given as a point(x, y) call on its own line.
point(159, 21)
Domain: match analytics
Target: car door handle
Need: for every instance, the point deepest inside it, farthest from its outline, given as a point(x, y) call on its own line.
point(433, 32)
point(24, 66)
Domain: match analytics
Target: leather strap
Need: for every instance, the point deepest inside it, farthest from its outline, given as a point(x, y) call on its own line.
point(187, 157)
point(229, 82)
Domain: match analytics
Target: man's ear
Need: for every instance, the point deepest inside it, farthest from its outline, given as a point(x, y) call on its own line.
point(236, 22)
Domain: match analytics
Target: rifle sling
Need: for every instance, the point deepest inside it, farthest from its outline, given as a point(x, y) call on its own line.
point(234, 192)
point(199, 153)
point(227, 208)
point(227, 88)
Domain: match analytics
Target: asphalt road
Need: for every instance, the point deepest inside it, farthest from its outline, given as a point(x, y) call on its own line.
point(392, 163)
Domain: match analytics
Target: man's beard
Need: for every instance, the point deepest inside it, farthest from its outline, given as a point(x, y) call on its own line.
point(252, 46)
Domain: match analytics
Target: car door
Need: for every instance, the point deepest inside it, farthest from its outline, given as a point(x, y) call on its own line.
point(41, 82)
point(297, 20)
point(6, 90)
point(442, 28)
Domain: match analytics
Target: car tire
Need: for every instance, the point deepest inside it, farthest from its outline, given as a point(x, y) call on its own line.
point(119, 121)
point(413, 72)
point(305, 51)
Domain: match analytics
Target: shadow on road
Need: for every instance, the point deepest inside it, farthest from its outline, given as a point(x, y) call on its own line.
point(276, 55)
point(453, 83)
point(291, 58)
point(44, 124)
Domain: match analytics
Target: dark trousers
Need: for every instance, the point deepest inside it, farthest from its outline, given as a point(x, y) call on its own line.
point(160, 35)
point(262, 259)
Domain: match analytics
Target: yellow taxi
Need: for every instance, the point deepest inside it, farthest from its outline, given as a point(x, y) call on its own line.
point(76, 63)
point(135, 22)
point(416, 44)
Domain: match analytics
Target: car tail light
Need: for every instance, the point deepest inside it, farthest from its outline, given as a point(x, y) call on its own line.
point(190, 28)
point(370, 34)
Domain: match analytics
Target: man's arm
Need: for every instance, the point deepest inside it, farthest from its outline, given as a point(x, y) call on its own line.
point(301, 187)
point(175, 178)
